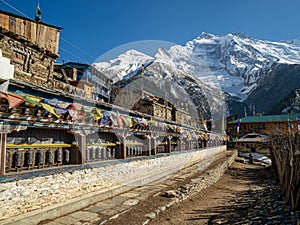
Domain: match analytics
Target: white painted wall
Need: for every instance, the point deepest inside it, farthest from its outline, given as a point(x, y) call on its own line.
point(6, 69)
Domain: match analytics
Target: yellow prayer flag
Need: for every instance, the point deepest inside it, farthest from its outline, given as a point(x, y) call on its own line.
point(97, 113)
point(50, 109)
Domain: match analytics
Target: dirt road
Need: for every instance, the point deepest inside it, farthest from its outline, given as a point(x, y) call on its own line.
point(246, 194)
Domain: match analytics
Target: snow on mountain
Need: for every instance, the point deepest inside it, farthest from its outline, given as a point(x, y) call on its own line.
point(234, 63)
point(124, 64)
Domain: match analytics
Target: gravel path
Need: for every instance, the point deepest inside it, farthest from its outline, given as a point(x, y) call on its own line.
point(246, 194)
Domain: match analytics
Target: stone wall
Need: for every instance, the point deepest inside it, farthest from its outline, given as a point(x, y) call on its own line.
point(45, 193)
point(30, 64)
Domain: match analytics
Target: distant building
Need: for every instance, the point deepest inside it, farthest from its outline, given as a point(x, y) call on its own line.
point(270, 124)
point(95, 84)
point(150, 100)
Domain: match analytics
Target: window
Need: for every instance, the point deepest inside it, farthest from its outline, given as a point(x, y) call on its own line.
point(19, 59)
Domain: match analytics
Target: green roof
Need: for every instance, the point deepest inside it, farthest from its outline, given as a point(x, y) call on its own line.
point(269, 118)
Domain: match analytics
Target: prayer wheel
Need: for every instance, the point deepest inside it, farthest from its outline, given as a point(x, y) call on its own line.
point(17, 159)
point(49, 157)
point(40, 158)
point(58, 155)
point(28, 158)
point(66, 156)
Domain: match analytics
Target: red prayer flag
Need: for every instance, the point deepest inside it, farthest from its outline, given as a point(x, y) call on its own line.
point(13, 100)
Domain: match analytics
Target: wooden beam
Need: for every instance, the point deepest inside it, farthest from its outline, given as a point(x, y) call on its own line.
point(2, 153)
point(168, 150)
point(81, 154)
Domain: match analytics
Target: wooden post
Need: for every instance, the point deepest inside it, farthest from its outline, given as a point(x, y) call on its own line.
point(123, 146)
point(153, 146)
point(188, 147)
point(148, 146)
point(81, 155)
point(168, 150)
point(179, 144)
point(3, 153)
point(122, 139)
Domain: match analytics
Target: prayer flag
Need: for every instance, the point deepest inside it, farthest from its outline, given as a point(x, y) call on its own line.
point(13, 100)
point(50, 109)
point(105, 121)
point(74, 106)
point(97, 113)
point(143, 70)
point(38, 13)
point(4, 87)
point(76, 115)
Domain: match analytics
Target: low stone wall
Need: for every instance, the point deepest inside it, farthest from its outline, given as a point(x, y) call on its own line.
point(61, 193)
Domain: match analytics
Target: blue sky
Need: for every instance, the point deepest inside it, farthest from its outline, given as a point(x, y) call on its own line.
point(97, 26)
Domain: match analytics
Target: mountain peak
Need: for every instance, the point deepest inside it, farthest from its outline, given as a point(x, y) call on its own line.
point(241, 35)
point(134, 52)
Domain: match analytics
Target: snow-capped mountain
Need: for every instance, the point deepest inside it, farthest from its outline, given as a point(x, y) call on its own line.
point(124, 64)
point(235, 63)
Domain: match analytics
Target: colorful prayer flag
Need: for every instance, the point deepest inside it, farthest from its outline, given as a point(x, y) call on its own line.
point(105, 121)
point(13, 100)
point(33, 100)
point(143, 70)
point(76, 115)
point(74, 106)
point(4, 87)
point(38, 13)
point(97, 113)
point(50, 109)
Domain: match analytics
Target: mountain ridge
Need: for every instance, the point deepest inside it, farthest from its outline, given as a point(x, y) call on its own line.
point(235, 63)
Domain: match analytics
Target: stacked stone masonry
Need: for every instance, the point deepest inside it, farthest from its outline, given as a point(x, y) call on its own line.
point(27, 195)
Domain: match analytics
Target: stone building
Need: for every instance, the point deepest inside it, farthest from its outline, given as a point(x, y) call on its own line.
point(95, 84)
point(141, 94)
point(31, 46)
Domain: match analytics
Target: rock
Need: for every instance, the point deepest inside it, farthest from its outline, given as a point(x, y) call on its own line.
point(150, 215)
point(241, 160)
point(162, 208)
point(170, 194)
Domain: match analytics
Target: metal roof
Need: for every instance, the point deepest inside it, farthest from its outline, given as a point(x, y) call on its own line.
point(268, 118)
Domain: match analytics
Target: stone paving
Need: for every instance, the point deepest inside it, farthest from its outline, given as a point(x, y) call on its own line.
point(106, 210)
point(109, 209)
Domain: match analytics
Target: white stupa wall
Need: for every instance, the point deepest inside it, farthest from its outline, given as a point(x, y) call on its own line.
point(6, 69)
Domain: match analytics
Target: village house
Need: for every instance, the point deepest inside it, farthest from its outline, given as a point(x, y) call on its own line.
point(31, 46)
point(269, 124)
point(95, 84)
